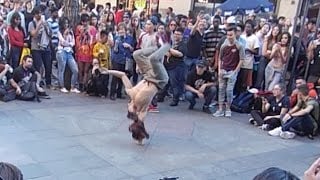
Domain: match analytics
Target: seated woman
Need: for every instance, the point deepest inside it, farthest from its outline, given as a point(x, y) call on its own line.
point(273, 108)
point(155, 77)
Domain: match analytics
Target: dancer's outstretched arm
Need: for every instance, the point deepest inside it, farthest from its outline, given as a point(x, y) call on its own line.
point(125, 80)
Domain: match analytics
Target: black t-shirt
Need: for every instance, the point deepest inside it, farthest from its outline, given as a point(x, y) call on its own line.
point(315, 64)
point(20, 74)
point(194, 45)
point(275, 107)
point(196, 81)
point(173, 61)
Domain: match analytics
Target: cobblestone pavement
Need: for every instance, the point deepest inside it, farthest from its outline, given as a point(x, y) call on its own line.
point(74, 137)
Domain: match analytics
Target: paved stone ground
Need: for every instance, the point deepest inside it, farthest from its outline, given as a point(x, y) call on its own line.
point(73, 137)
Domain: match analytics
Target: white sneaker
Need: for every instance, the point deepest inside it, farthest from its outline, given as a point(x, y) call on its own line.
point(227, 113)
point(218, 113)
point(275, 132)
point(64, 90)
point(75, 90)
point(287, 135)
point(251, 121)
point(265, 127)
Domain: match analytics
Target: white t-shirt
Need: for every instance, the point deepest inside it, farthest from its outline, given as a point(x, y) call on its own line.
point(252, 42)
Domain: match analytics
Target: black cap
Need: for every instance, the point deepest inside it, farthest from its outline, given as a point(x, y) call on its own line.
point(201, 63)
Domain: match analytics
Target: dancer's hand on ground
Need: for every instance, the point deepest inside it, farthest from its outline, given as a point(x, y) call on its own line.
point(313, 173)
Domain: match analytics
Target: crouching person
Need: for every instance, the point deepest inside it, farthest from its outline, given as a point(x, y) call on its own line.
point(302, 119)
point(200, 84)
point(8, 87)
point(98, 80)
point(28, 80)
point(272, 109)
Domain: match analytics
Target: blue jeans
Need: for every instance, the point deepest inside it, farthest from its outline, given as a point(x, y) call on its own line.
point(177, 80)
point(15, 56)
point(43, 57)
point(301, 123)
point(63, 58)
point(209, 94)
point(260, 74)
point(190, 62)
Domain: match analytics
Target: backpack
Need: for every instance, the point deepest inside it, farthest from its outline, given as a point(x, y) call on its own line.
point(243, 103)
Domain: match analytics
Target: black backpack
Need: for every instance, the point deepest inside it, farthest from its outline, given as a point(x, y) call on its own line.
point(243, 103)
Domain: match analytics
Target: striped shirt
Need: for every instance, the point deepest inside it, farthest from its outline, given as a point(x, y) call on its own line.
point(54, 25)
point(210, 40)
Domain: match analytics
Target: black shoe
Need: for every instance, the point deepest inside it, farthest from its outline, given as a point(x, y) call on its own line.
point(206, 110)
point(191, 106)
point(160, 99)
point(112, 97)
point(174, 103)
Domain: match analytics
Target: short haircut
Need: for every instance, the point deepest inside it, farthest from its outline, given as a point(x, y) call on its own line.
point(249, 21)
point(104, 32)
point(180, 29)
point(26, 57)
point(170, 8)
point(274, 173)
point(232, 28)
point(281, 17)
point(303, 89)
point(84, 17)
point(36, 10)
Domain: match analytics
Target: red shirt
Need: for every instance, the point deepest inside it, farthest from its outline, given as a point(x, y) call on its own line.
point(119, 16)
point(16, 38)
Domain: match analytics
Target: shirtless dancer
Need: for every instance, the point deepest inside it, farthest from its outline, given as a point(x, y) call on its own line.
point(155, 77)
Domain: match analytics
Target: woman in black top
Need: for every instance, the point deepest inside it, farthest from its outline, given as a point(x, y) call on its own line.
point(272, 109)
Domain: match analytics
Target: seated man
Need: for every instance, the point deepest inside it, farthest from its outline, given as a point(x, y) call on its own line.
point(294, 95)
point(25, 75)
point(155, 77)
point(200, 84)
point(8, 87)
point(303, 118)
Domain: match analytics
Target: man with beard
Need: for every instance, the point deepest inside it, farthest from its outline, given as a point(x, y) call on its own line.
point(210, 40)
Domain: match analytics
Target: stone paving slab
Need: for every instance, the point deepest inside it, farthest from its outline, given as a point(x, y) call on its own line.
point(78, 137)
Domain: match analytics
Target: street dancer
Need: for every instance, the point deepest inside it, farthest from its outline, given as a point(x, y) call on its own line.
point(155, 78)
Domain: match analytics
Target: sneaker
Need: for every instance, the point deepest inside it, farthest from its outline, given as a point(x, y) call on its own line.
point(191, 106)
point(75, 90)
point(218, 113)
point(64, 90)
point(265, 127)
point(153, 109)
point(287, 135)
point(275, 132)
point(251, 121)
point(206, 109)
point(227, 113)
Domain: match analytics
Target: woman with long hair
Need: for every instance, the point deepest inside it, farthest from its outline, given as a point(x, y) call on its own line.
point(65, 55)
point(267, 45)
point(16, 39)
point(85, 38)
point(275, 68)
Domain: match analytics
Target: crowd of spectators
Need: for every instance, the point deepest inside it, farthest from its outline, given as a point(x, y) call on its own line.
point(215, 58)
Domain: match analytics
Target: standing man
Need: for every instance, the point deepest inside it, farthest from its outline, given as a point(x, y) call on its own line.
point(175, 66)
point(244, 80)
point(211, 39)
point(230, 60)
point(40, 44)
point(194, 43)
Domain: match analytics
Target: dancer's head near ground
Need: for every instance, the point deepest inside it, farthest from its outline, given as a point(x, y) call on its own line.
point(138, 131)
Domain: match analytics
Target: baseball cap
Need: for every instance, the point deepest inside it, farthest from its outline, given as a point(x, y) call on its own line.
point(201, 63)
